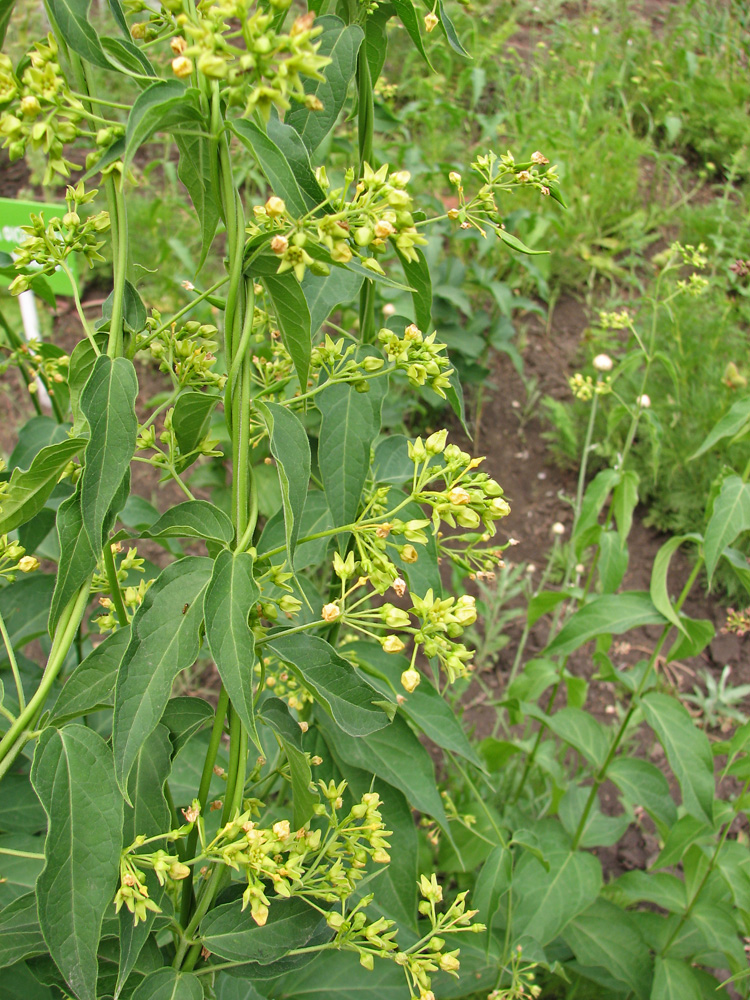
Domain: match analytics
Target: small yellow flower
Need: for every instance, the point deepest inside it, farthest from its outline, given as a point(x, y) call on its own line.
point(392, 644)
point(28, 564)
point(182, 66)
point(330, 612)
point(431, 22)
point(459, 496)
point(410, 679)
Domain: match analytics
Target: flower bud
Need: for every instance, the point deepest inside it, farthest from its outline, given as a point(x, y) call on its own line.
point(178, 45)
point(558, 528)
point(410, 679)
point(182, 67)
point(459, 496)
point(644, 401)
point(330, 612)
point(435, 443)
point(538, 158)
point(279, 245)
point(179, 871)
point(431, 22)
point(392, 644)
point(27, 564)
point(30, 106)
point(394, 617)
point(603, 363)
point(499, 507)
point(212, 66)
point(281, 829)
point(409, 554)
point(275, 206)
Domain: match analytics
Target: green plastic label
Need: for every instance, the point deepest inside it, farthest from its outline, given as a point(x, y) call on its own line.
point(13, 215)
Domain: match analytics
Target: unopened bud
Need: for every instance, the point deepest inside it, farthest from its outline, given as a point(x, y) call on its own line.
point(330, 612)
point(603, 363)
point(182, 66)
point(410, 679)
point(431, 22)
point(392, 644)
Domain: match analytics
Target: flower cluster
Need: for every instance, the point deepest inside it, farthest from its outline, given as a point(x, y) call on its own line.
point(422, 360)
point(39, 112)
point(738, 622)
point(51, 367)
point(236, 44)
point(132, 596)
point(13, 558)
point(186, 352)
point(49, 244)
point(585, 388)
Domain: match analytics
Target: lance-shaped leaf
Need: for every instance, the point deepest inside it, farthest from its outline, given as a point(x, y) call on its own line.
point(192, 519)
point(25, 607)
point(20, 933)
point(605, 936)
point(164, 641)
point(293, 317)
point(659, 592)
point(108, 403)
point(643, 784)
point(91, 685)
point(233, 934)
point(675, 980)
point(191, 419)
point(291, 449)
point(126, 57)
point(276, 715)
point(395, 755)
point(6, 9)
point(408, 17)
point(687, 749)
point(77, 557)
point(324, 295)
point(334, 682)
point(340, 43)
point(295, 151)
point(28, 491)
point(147, 817)
point(166, 104)
point(730, 517)
point(73, 776)
point(194, 170)
point(36, 433)
point(351, 421)
point(606, 614)
point(184, 717)
point(417, 274)
point(72, 18)
point(734, 424)
point(577, 728)
point(229, 598)
point(273, 163)
point(169, 984)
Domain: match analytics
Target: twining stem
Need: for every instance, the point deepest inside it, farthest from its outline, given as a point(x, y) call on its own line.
point(61, 643)
point(622, 729)
point(13, 664)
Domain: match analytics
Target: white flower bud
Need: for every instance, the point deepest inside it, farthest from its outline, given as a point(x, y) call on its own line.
point(603, 363)
point(644, 401)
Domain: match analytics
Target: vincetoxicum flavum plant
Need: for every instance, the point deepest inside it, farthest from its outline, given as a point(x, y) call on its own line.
point(175, 860)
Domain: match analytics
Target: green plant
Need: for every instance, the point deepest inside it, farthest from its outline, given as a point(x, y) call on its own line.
point(718, 704)
point(174, 843)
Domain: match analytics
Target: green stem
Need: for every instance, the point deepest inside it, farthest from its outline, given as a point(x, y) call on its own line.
point(114, 584)
point(13, 664)
point(21, 854)
point(79, 308)
point(119, 221)
point(203, 789)
point(61, 643)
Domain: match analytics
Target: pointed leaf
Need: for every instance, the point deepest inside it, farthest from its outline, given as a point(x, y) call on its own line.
point(293, 317)
point(73, 776)
point(290, 447)
point(408, 17)
point(25, 607)
point(688, 751)
point(417, 274)
point(606, 614)
point(295, 151)
point(643, 784)
point(191, 419)
point(91, 685)
point(659, 592)
point(169, 984)
point(324, 295)
point(192, 519)
point(77, 557)
point(108, 403)
point(194, 170)
point(164, 641)
point(578, 728)
point(273, 163)
point(20, 933)
point(334, 682)
point(164, 105)
point(232, 934)
point(276, 715)
point(28, 491)
point(613, 561)
point(730, 517)
point(733, 424)
point(316, 517)
point(340, 43)
point(230, 595)
point(72, 18)
point(674, 980)
point(607, 937)
point(184, 717)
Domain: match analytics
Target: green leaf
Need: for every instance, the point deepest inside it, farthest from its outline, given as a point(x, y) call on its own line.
point(579, 729)
point(91, 684)
point(513, 241)
point(168, 984)
point(682, 835)
point(73, 776)
point(184, 717)
point(448, 30)
point(315, 517)
point(424, 707)
point(351, 420)
point(18, 875)
point(674, 980)
point(72, 19)
point(22, 811)
point(733, 424)
point(166, 104)
point(298, 158)
point(77, 557)
point(643, 784)
point(133, 310)
point(659, 593)
point(605, 936)
point(594, 499)
point(191, 419)
point(273, 163)
point(598, 829)
point(232, 934)
point(192, 519)
point(696, 635)
point(605, 614)
point(194, 170)
point(230, 595)
point(290, 447)
point(493, 882)
point(28, 491)
point(688, 751)
point(624, 500)
point(325, 295)
point(376, 39)
point(659, 888)
point(275, 714)
point(384, 753)
point(126, 57)
point(613, 561)
point(340, 43)
point(164, 641)
point(36, 434)
point(108, 403)
point(417, 274)
point(334, 682)
point(542, 603)
point(293, 317)
point(408, 17)
point(548, 899)
point(20, 933)
point(730, 517)
point(6, 9)
point(391, 463)
point(24, 606)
